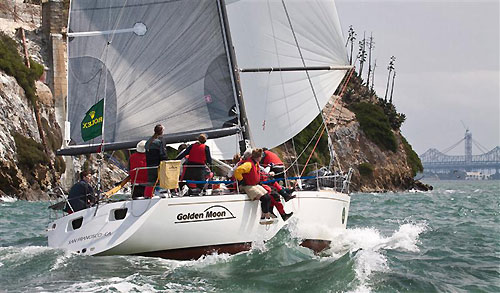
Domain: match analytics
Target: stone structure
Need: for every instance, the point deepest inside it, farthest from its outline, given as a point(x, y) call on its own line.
point(54, 23)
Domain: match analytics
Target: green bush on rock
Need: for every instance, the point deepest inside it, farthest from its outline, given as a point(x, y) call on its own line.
point(29, 152)
point(375, 124)
point(412, 158)
point(13, 64)
point(365, 169)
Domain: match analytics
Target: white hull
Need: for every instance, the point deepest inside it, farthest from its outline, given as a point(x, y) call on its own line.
point(188, 227)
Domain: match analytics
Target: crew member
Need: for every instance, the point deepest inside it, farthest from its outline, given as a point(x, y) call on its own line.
point(155, 153)
point(273, 188)
point(248, 171)
point(138, 172)
point(270, 159)
point(199, 156)
point(81, 195)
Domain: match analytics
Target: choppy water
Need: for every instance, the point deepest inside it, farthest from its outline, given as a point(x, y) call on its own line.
point(446, 240)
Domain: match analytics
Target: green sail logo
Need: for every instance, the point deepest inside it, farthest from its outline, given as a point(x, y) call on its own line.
point(91, 126)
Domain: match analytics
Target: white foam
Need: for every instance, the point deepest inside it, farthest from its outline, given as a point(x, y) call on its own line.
point(7, 198)
point(370, 247)
point(111, 284)
point(210, 259)
point(61, 261)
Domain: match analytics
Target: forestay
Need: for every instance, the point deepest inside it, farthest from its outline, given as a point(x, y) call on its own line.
point(152, 62)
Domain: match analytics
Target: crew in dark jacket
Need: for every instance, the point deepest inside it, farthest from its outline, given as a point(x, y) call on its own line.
point(81, 195)
point(155, 153)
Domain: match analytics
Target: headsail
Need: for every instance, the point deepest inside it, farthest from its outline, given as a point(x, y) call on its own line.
point(280, 104)
point(153, 61)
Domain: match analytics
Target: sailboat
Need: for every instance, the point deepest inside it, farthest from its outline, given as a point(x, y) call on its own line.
point(246, 73)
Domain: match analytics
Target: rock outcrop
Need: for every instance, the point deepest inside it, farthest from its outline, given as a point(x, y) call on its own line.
point(391, 170)
point(19, 175)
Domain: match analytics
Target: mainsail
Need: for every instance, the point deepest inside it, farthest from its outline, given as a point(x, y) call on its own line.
point(166, 61)
point(153, 62)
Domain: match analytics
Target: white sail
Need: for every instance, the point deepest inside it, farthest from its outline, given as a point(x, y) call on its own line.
point(280, 104)
point(153, 62)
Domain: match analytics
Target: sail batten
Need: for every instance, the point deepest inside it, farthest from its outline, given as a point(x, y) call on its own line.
point(296, 68)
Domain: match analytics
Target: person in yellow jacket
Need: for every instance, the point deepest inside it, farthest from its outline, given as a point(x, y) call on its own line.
point(249, 175)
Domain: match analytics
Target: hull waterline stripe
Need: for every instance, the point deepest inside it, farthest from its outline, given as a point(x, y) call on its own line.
point(196, 252)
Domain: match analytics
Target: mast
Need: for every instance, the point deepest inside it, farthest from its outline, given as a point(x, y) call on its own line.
point(245, 130)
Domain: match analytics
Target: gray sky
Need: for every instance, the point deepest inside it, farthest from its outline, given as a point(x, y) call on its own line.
point(447, 63)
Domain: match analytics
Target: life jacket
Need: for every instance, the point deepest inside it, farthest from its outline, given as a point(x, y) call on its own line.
point(252, 177)
point(270, 158)
point(138, 160)
point(197, 154)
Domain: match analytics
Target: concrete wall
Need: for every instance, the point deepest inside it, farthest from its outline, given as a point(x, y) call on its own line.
point(54, 23)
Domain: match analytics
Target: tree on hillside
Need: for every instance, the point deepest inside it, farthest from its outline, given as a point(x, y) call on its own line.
point(371, 46)
point(362, 54)
point(350, 39)
point(390, 68)
point(373, 74)
point(392, 87)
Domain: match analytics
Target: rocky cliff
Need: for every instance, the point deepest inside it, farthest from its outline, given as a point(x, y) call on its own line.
point(28, 168)
point(353, 148)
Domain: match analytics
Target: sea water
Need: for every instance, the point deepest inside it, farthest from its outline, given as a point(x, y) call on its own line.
point(445, 240)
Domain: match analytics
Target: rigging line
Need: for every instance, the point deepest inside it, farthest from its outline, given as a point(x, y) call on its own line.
point(309, 78)
point(117, 21)
point(282, 86)
point(303, 61)
point(346, 82)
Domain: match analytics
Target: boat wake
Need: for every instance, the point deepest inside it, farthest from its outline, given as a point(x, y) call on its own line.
point(368, 248)
point(355, 262)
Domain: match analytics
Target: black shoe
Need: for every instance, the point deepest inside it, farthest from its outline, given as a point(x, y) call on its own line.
point(286, 216)
point(286, 195)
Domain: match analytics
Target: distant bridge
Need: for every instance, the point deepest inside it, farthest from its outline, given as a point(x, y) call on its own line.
point(437, 161)
point(433, 159)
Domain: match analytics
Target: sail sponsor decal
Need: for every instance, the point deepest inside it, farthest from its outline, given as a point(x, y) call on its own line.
point(89, 237)
point(91, 126)
point(213, 213)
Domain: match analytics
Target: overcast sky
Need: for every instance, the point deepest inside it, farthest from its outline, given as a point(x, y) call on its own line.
point(447, 63)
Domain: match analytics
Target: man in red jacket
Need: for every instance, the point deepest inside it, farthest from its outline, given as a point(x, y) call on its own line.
point(276, 166)
point(138, 172)
point(199, 156)
point(270, 159)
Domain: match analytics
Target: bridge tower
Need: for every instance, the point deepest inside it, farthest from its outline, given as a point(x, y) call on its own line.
point(468, 148)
